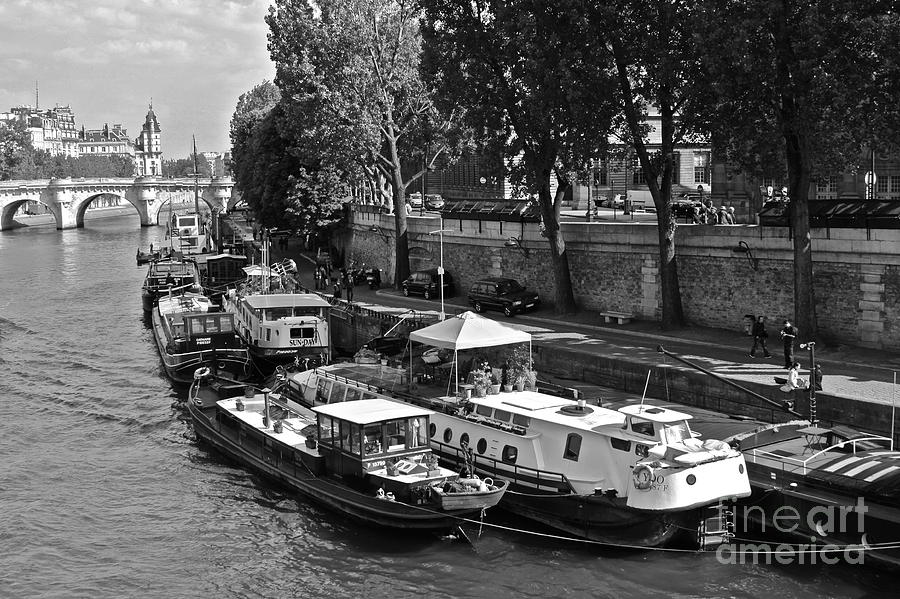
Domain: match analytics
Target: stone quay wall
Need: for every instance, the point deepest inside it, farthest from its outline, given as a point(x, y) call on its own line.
point(615, 266)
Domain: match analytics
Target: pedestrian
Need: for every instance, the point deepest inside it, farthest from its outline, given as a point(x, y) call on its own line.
point(348, 285)
point(722, 216)
point(731, 219)
point(816, 377)
point(788, 336)
point(337, 288)
point(695, 215)
point(760, 334)
point(317, 278)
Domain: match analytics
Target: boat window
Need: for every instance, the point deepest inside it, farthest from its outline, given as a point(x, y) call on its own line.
point(327, 430)
point(620, 444)
point(573, 447)
point(323, 390)
point(276, 313)
point(521, 420)
point(482, 446)
point(675, 432)
point(308, 311)
point(448, 435)
point(353, 393)
point(510, 453)
point(373, 439)
point(268, 334)
point(354, 438)
point(432, 430)
point(464, 440)
point(502, 415)
point(642, 427)
point(396, 435)
point(337, 393)
point(369, 395)
point(483, 410)
point(416, 434)
point(303, 332)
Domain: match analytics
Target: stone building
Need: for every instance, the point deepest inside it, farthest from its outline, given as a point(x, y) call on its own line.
point(106, 142)
point(147, 147)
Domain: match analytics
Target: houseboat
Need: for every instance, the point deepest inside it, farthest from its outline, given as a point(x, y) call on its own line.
point(165, 275)
point(189, 335)
point(369, 460)
point(635, 476)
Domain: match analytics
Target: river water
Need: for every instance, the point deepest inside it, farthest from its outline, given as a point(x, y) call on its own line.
point(104, 491)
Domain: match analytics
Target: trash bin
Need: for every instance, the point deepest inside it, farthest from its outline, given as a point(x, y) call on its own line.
point(748, 324)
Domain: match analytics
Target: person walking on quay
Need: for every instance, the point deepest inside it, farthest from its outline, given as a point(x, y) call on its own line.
point(337, 288)
point(788, 336)
point(317, 276)
point(760, 334)
point(348, 285)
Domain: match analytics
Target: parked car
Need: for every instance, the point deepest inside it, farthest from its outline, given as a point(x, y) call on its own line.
point(683, 207)
point(617, 202)
point(507, 295)
point(415, 200)
point(434, 201)
point(427, 283)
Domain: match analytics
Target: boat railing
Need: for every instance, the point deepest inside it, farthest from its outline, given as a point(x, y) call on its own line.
point(804, 462)
point(523, 475)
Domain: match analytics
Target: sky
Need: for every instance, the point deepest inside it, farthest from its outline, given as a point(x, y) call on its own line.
point(108, 58)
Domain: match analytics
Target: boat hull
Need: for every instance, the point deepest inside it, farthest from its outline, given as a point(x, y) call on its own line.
point(180, 367)
point(307, 481)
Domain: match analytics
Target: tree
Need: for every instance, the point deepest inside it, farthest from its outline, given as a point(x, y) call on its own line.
point(800, 82)
point(525, 79)
point(15, 145)
point(656, 69)
point(350, 71)
point(283, 188)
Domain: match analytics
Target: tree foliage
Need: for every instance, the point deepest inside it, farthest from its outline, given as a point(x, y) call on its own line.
point(276, 177)
point(15, 145)
point(525, 75)
point(798, 85)
point(349, 70)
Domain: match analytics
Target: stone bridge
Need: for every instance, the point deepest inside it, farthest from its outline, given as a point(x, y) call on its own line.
point(68, 199)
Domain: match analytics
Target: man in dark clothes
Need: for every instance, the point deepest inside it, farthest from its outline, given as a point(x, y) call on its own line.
point(760, 334)
point(788, 335)
point(816, 376)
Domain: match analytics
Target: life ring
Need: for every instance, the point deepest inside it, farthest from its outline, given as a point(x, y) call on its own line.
point(642, 477)
point(221, 365)
point(487, 480)
point(201, 373)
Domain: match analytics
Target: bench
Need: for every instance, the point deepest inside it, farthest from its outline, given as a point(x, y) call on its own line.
point(620, 317)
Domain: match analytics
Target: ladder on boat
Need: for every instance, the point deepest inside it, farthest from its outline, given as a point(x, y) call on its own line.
point(716, 526)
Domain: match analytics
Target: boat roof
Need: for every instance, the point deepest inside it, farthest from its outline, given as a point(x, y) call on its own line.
point(369, 411)
point(172, 266)
point(179, 304)
point(285, 300)
point(655, 413)
point(549, 408)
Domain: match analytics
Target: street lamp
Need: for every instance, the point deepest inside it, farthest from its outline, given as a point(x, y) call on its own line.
point(441, 232)
point(811, 346)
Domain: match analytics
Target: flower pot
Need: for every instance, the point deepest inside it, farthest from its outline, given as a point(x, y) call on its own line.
point(495, 389)
point(520, 386)
point(311, 443)
point(507, 388)
point(480, 392)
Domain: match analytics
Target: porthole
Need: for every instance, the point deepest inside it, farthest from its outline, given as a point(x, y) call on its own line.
point(464, 440)
point(741, 468)
point(448, 435)
point(482, 446)
point(691, 479)
point(432, 430)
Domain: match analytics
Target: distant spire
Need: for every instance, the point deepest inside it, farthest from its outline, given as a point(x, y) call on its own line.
point(37, 102)
point(151, 102)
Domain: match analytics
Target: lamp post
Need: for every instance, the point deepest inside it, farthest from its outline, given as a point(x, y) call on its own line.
point(441, 232)
point(811, 346)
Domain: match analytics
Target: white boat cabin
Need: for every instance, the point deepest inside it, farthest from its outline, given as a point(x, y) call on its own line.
point(282, 323)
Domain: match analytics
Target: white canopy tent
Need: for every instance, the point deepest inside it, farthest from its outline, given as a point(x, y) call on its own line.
point(468, 331)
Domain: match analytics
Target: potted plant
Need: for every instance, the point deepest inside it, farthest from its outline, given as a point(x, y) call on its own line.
point(505, 379)
point(520, 368)
point(495, 383)
point(481, 380)
point(391, 467)
point(433, 468)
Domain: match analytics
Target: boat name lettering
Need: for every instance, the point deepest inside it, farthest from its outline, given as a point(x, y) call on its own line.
point(203, 341)
point(303, 342)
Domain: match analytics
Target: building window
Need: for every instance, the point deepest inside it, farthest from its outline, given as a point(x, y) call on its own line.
point(882, 184)
point(676, 168)
point(701, 167)
point(637, 176)
point(895, 183)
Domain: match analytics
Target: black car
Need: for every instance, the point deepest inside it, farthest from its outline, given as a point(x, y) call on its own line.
point(502, 294)
point(427, 283)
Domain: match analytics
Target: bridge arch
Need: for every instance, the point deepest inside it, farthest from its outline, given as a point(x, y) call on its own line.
point(84, 203)
point(8, 211)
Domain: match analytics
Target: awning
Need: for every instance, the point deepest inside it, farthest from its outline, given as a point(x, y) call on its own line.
point(467, 331)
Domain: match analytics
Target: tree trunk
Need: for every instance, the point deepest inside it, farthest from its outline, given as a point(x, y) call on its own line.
point(401, 242)
point(798, 191)
point(550, 206)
